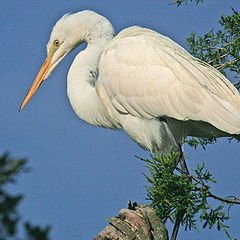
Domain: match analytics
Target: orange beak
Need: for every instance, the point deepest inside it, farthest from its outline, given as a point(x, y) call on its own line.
point(39, 79)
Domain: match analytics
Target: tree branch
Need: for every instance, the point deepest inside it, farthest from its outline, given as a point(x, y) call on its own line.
point(226, 200)
point(232, 201)
point(206, 188)
point(142, 223)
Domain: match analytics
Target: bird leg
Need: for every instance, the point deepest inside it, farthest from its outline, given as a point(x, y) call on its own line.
point(178, 220)
point(178, 148)
point(182, 161)
point(180, 214)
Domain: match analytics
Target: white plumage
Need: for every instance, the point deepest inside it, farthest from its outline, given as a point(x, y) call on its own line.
point(147, 84)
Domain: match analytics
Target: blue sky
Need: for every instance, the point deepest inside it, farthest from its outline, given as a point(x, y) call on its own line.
point(81, 174)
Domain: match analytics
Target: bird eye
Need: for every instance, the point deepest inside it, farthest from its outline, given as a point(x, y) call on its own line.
point(56, 43)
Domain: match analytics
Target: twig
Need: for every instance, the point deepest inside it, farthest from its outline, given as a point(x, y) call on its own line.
point(218, 48)
point(221, 48)
point(221, 66)
point(231, 201)
point(215, 59)
point(235, 201)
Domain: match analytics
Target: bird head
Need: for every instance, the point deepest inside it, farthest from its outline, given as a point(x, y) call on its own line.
point(68, 33)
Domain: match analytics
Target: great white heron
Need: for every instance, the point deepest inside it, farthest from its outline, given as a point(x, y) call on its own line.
point(142, 82)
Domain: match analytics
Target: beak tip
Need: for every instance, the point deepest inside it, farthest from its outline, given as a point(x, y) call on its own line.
point(21, 107)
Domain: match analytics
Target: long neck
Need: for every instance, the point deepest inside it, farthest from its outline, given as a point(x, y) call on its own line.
point(81, 86)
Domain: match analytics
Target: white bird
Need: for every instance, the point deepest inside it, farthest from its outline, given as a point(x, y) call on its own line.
point(142, 82)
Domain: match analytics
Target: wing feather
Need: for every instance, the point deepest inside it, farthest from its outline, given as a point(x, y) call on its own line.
point(148, 75)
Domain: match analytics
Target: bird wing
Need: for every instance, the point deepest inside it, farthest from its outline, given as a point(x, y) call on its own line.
point(148, 75)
